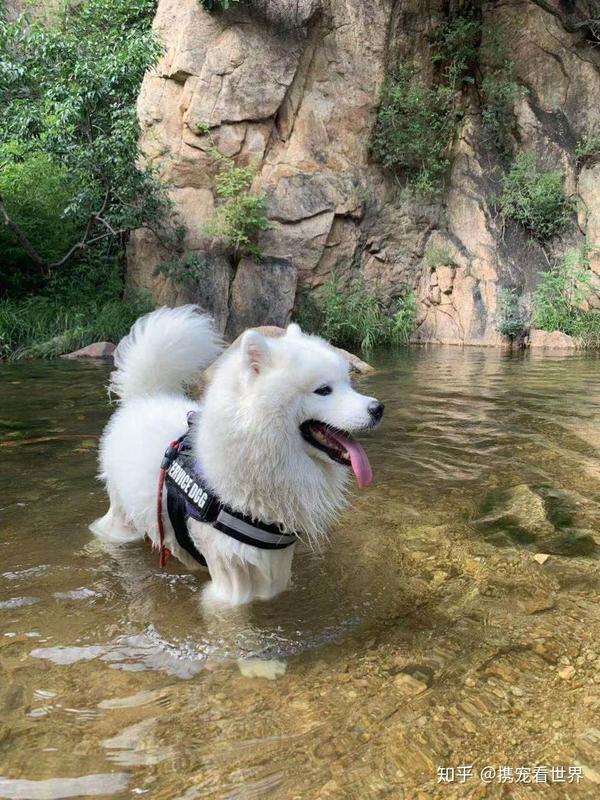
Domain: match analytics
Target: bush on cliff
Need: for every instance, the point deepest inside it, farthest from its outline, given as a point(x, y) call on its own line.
point(535, 198)
point(242, 215)
point(414, 128)
point(509, 318)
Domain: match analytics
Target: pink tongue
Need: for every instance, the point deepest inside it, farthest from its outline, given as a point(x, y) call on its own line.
point(358, 458)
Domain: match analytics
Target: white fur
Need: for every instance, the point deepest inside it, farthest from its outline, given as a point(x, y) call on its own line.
point(247, 440)
point(164, 350)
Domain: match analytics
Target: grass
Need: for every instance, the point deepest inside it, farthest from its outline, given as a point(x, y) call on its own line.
point(43, 327)
point(356, 316)
point(439, 256)
point(558, 300)
point(587, 147)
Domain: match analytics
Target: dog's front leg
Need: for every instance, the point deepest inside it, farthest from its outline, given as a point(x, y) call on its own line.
point(240, 573)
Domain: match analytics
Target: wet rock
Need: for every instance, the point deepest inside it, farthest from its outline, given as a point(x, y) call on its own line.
point(95, 350)
point(551, 340)
point(541, 516)
point(538, 604)
point(409, 685)
point(566, 673)
point(269, 669)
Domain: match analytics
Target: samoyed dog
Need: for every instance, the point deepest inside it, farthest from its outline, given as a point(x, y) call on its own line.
point(271, 435)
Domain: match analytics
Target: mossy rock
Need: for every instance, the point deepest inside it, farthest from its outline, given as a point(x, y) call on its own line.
point(542, 518)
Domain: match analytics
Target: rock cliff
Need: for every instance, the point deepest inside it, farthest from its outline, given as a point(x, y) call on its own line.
point(293, 87)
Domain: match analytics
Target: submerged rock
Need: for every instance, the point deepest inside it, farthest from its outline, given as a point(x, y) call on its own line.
point(542, 517)
point(95, 350)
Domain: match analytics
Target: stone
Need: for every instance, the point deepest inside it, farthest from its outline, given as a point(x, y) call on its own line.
point(262, 293)
point(95, 350)
point(541, 558)
point(408, 684)
point(566, 673)
point(268, 669)
point(445, 279)
point(536, 605)
point(552, 340)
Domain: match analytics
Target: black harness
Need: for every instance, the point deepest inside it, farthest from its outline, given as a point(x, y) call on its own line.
point(188, 496)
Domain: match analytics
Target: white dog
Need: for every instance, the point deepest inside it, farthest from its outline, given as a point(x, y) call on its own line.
point(270, 440)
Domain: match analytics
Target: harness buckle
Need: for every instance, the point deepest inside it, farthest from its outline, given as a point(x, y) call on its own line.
point(170, 455)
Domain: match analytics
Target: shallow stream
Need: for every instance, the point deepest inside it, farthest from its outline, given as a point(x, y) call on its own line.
point(453, 623)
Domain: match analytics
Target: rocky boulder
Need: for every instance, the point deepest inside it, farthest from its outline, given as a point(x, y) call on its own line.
point(292, 87)
point(95, 350)
point(551, 340)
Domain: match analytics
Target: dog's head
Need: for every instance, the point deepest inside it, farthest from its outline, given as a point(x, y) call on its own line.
point(287, 403)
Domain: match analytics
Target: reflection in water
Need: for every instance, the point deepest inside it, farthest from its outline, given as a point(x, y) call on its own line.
point(453, 619)
point(56, 788)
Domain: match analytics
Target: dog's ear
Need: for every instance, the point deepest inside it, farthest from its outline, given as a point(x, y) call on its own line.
point(293, 329)
point(255, 351)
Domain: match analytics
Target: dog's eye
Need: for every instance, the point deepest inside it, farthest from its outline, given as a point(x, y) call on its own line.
point(324, 390)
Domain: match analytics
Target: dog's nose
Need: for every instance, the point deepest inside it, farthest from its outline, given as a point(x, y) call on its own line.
point(375, 409)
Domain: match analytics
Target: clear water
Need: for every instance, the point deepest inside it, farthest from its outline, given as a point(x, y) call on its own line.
point(428, 635)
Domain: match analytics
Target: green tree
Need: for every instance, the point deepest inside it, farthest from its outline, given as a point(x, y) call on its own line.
point(68, 123)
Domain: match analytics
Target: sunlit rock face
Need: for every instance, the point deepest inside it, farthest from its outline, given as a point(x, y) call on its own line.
point(292, 87)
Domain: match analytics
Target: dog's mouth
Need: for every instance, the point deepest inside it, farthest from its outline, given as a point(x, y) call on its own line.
point(340, 446)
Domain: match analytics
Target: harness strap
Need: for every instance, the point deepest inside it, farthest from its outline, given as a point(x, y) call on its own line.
point(188, 496)
point(177, 510)
point(170, 454)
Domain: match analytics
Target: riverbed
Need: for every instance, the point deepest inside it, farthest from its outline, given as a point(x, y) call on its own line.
point(445, 645)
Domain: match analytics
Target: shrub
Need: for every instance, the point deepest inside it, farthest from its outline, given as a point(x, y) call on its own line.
point(405, 319)
point(356, 316)
point(588, 146)
point(558, 299)
point(455, 48)
point(36, 193)
point(439, 256)
point(414, 128)
point(509, 319)
point(188, 272)
point(242, 216)
point(499, 88)
point(535, 198)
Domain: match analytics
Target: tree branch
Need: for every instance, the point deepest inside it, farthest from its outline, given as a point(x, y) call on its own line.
point(84, 242)
point(21, 237)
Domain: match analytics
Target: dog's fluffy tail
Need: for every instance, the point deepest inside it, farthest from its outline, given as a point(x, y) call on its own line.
point(163, 351)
